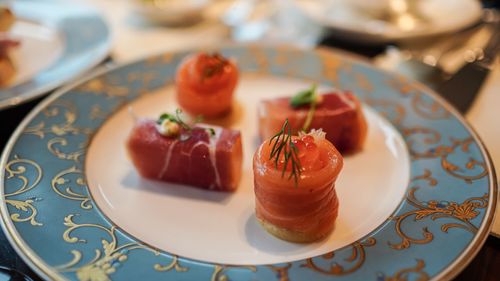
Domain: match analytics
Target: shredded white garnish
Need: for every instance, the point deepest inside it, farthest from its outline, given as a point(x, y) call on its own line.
point(317, 134)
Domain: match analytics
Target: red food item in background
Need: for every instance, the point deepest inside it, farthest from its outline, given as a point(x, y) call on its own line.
point(302, 212)
point(7, 43)
point(338, 114)
point(205, 84)
point(202, 160)
point(7, 67)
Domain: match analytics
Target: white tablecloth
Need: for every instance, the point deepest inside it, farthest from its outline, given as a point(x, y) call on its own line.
point(484, 116)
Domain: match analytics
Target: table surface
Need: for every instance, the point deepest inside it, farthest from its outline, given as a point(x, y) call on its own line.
point(134, 39)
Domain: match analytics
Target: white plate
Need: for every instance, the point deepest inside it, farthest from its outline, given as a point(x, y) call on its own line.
point(41, 47)
point(149, 210)
point(361, 21)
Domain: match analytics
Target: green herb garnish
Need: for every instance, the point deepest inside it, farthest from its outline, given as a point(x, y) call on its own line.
point(283, 145)
point(166, 116)
point(309, 117)
point(211, 131)
point(177, 118)
point(216, 68)
point(304, 97)
point(181, 122)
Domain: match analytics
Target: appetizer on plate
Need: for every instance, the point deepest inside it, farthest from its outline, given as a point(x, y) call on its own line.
point(338, 114)
point(294, 182)
point(7, 68)
point(205, 84)
point(170, 150)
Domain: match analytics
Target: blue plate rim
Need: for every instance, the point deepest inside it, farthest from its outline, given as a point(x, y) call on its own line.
point(48, 272)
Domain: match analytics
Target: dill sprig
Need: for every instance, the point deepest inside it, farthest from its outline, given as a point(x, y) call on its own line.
point(283, 145)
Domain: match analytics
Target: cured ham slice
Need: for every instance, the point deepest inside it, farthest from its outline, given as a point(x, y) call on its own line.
point(339, 115)
point(207, 158)
point(205, 84)
point(303, 210)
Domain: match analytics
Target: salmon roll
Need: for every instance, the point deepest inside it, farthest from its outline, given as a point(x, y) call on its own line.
point(205, 156)
point(294, 185)
point(205, 84)
point(338, 114)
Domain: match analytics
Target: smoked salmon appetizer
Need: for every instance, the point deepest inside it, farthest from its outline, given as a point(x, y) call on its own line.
point(338, 114)
point(170, 150)
point(205, 84)
point(294, 184)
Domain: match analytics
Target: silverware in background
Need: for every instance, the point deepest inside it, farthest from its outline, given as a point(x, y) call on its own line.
point(462, 88)
point(458, 82)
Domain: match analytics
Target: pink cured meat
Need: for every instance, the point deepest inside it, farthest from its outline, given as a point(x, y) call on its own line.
point(202, 160)
point(339, 115)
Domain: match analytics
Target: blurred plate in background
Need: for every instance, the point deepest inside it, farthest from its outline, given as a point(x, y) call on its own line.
point(58, 43)
point(384, 21)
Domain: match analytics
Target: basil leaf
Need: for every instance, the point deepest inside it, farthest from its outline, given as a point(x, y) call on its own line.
point(304, 97)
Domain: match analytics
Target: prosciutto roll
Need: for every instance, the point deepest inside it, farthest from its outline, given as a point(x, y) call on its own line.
point(209, 158)
point(339, 115)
